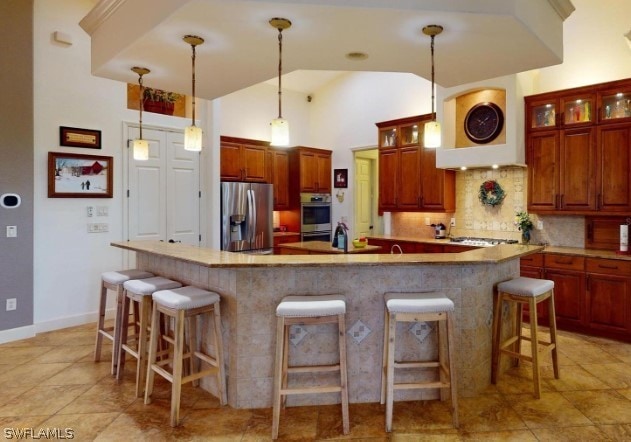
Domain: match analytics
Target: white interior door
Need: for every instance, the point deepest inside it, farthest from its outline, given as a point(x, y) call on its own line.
point(163, 192)
point(363, 197)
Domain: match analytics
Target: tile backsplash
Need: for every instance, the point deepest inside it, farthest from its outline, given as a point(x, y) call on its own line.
point(476, 219)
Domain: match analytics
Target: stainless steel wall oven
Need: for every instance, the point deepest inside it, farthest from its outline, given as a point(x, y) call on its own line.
point(315, 217)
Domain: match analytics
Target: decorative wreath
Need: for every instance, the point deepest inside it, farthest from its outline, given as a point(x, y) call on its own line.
point(491, 193)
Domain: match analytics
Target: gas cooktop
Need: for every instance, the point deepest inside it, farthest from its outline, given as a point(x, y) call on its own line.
point(482, 242)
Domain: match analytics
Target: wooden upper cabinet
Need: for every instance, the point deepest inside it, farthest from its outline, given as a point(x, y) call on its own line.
point(313, 169)
point(388, 176)
point(408, 177)
point(579, 155)
point(279, 177)
point(243, 160)
point(614, 173)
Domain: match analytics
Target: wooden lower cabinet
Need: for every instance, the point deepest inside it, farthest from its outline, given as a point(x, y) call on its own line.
point(591, 295)
point(609, 296)
point(278, 240)
point(531, 266)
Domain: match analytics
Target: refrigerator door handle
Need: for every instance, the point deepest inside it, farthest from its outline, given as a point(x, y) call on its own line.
point(250, 215)
point(254, 215)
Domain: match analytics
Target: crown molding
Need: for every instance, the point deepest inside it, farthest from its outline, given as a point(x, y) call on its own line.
point(562, 7)
point(99, 14)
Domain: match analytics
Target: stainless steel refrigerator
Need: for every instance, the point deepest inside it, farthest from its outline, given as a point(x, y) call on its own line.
point(246, 217)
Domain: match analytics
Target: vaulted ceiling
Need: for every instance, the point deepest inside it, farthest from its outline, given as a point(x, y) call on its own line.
point(482, 39)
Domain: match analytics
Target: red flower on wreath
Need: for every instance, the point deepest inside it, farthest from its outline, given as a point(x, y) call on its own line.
point(489, 185)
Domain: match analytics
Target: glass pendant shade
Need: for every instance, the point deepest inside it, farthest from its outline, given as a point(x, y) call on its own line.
point(193, 138)
point(431, 137)
point(141, 150)
point(280, 132)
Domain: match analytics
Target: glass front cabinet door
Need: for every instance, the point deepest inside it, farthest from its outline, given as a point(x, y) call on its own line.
point(615, 105)
point(578, 110)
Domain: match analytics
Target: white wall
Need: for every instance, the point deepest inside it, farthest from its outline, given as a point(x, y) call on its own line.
point(67, 260)
point(345, 112)
point(595, 50)
point(247, 113)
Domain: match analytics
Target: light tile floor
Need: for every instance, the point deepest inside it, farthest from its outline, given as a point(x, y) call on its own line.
point(51, 382)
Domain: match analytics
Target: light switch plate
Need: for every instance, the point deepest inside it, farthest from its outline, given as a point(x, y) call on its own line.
point(12, 231)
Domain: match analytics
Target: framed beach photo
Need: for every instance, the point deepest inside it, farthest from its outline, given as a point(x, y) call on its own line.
point(79, 176)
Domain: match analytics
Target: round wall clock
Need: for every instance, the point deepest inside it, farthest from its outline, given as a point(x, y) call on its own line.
point(484, 122)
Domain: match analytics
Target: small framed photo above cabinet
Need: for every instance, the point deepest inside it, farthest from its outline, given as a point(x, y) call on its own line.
point(340, 178)
point(79, 176)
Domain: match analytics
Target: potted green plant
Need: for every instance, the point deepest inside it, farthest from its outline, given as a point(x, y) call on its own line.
point(524, 223)
point(159, 101)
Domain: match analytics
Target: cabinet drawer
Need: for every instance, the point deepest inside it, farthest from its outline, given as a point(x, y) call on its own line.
point(608, 266)
point(535, 260)
point(555, 261)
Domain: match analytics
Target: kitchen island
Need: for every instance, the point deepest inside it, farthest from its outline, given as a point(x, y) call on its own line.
point(252, 285)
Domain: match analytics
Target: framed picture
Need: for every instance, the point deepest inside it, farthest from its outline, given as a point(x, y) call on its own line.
point(75, 137)
point(79, 176)
point(340, 178)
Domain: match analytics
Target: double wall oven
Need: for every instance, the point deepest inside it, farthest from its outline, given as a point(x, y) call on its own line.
point(315, 217)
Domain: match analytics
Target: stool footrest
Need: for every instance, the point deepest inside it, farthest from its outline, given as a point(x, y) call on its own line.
point(416, 364)
point(210, 360)
point(199, 374)
point(309, 390)
point(105, 333)
point(310, 368)
point(421, 385)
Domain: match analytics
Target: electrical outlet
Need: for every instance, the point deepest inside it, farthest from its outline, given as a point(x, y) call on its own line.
point(12, 304)
point(427, 221)
point(12, 231)
point(89, 211)
point(453, 222)
point(539, 225)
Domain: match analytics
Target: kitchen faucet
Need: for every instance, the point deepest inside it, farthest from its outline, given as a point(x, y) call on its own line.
point(398, 247)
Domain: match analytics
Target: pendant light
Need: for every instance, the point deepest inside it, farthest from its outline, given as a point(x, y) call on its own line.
point(431, 137)
point(140, 146)
point(193, 134)
point(280, 126)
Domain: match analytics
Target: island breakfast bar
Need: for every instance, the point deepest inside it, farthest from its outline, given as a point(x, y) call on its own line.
point(251, 286)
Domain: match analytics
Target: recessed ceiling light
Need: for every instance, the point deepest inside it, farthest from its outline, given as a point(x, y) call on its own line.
point(495, 166)
point(357, 56)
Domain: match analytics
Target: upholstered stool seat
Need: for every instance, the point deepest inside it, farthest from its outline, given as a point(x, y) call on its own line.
point(418, 307)
point(308, 310)
point(114, 281)
point(139, 291)
point(524, 291)
point(180, 304)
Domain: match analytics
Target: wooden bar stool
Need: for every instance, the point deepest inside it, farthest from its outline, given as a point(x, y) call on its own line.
point(524, 291)
point(139, 291)
point(181, 304)
point(419, 307)
point(113, 281)
point(308, 310)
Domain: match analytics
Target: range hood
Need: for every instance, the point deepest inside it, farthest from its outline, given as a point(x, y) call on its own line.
point(510, 150)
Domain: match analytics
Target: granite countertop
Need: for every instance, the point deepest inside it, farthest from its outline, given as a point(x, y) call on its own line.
point(208, 257)
point(325, 247)
point(576, 251)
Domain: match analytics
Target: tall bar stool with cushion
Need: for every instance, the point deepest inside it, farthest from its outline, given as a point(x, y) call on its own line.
point(138, 292)
point(530, 292)
point(419, 307)
point(308, 310)
point(113, 281)
point(180, 304)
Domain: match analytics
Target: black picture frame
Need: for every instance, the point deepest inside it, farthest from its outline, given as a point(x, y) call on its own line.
point(77, 137)
point(340, 178)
